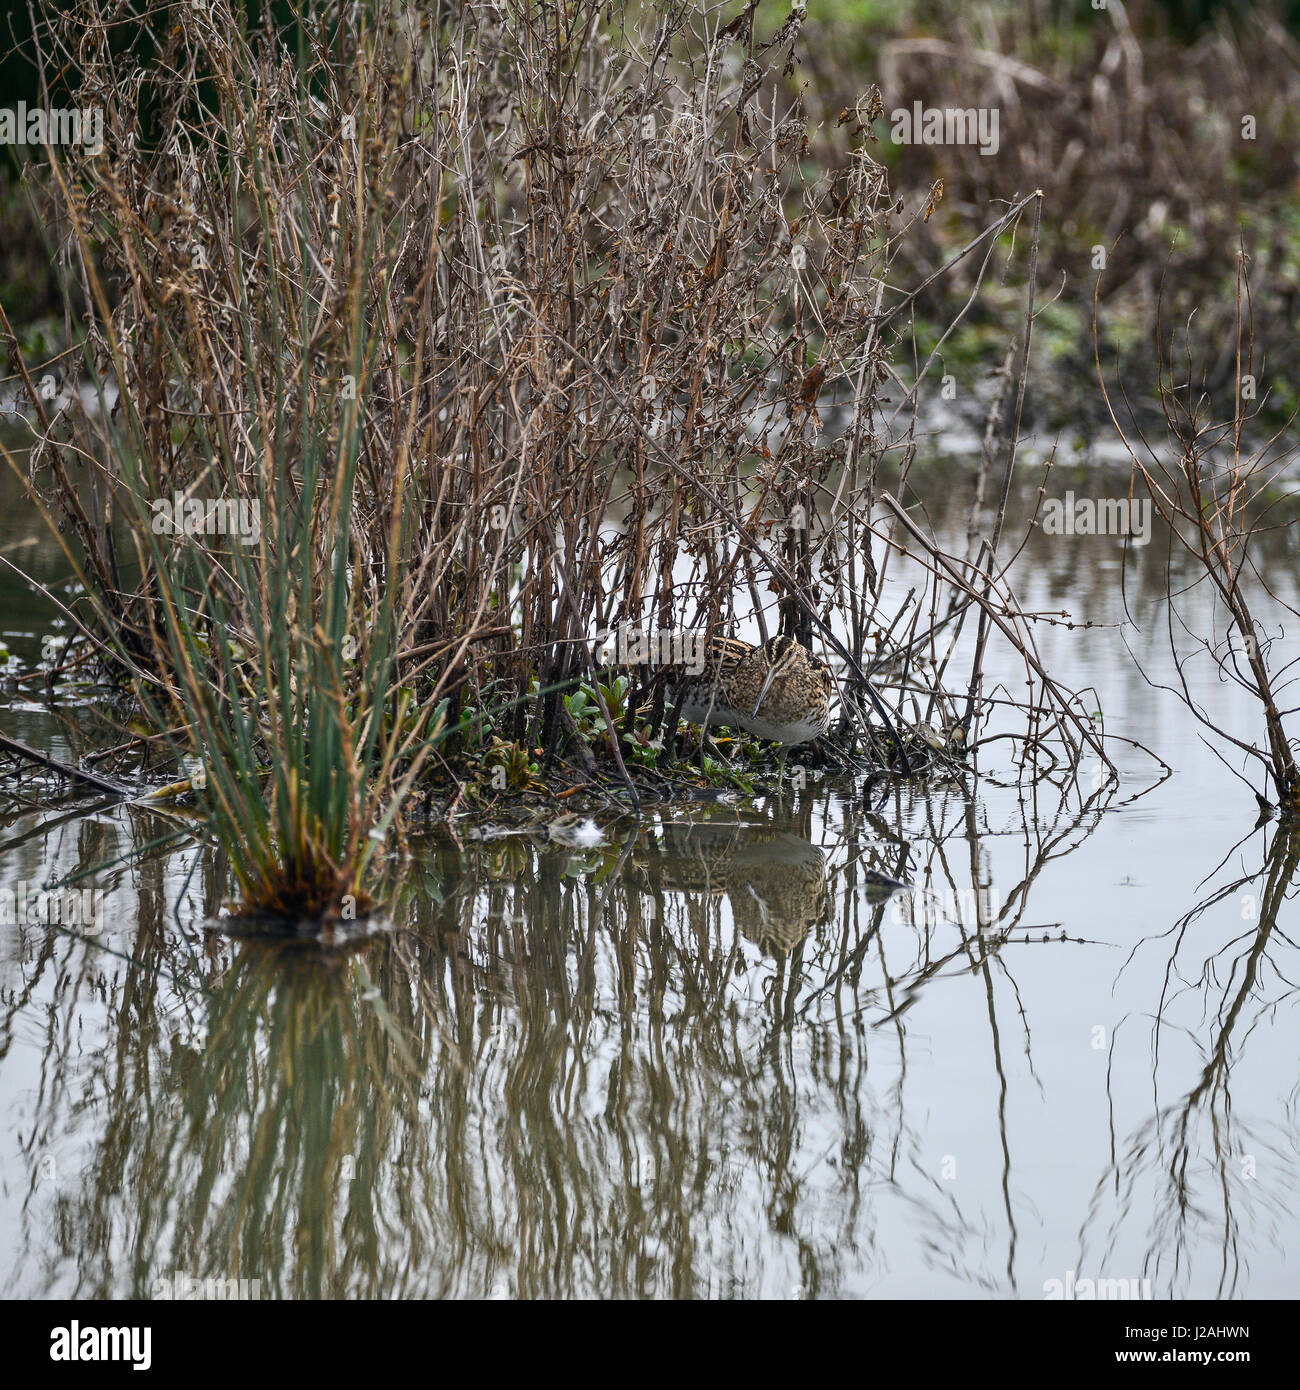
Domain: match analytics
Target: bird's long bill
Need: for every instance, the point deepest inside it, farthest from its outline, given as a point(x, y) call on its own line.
point(762, 694)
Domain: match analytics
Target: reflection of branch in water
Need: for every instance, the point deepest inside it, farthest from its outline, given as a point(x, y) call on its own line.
point(1169, 1145)
point(1048, 835)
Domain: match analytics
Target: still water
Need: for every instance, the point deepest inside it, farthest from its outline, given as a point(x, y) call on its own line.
point(710, 1055)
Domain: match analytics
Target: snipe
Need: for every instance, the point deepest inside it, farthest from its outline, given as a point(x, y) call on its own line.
point(778, 691)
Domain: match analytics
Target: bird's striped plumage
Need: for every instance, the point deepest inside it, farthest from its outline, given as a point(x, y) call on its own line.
point(778, 690)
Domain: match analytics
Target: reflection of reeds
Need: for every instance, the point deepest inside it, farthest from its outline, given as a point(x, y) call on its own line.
point(574, 1077)
point(284, 1187)
point(1203, 1167)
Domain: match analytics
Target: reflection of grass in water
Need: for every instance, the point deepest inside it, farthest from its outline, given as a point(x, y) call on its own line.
point(277, 1158)
point(610, 1091)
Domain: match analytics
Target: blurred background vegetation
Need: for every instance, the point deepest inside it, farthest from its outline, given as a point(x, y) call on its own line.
point(1135, 120)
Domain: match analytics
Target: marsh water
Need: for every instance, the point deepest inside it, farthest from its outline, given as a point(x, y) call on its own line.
point(708, 1053)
